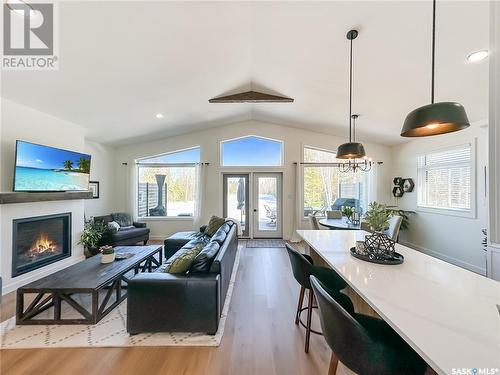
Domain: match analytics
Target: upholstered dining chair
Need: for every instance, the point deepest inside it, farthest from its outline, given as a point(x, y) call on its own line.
point(364, 344)
point(334, 214)
point(394, 225)
point(303, 267)
point(315, 223)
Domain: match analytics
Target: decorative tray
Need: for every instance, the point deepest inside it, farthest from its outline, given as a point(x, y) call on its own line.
point(394, 258)
point(121, 256)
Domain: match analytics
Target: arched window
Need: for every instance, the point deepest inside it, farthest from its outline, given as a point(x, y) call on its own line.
point(251, 151)
point(166, 184)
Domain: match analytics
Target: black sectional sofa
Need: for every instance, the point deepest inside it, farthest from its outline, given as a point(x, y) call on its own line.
point(191, 302)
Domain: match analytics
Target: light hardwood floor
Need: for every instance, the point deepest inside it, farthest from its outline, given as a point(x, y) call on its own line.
point(260, 336)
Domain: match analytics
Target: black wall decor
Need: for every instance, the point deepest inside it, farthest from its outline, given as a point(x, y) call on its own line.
point(398, 181)
point(397, 191)
point(408, 185)
point(402, 185)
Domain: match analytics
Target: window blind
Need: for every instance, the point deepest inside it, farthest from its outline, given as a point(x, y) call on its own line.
point(444, 179)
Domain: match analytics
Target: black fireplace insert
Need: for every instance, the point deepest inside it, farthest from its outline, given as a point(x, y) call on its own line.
point(39, 241)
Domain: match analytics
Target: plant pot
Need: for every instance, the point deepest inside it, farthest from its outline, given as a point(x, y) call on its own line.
point(107, 258)
point(90, 251)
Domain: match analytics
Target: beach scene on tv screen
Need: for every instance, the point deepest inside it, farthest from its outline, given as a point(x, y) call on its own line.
point(42, 168)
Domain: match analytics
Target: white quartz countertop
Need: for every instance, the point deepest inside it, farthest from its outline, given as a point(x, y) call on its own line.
point(449, 315)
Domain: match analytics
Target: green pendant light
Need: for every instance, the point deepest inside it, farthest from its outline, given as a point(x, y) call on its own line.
point(351, 149)
point(435, 118)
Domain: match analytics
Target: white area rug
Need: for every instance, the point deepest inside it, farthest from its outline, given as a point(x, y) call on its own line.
point(109, 332)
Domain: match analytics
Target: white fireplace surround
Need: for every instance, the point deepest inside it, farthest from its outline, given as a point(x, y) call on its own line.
point(10, 212)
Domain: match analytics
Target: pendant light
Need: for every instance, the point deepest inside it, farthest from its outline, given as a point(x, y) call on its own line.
point(351, 149)
point(435, 118)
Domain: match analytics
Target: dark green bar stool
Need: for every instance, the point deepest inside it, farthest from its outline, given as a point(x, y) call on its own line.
point(303, 267)
point(364, 344)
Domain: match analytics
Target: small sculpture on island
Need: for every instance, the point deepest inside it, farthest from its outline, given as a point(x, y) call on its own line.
point(377, 247)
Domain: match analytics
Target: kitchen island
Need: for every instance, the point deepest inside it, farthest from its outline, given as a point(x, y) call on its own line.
point(449, 315)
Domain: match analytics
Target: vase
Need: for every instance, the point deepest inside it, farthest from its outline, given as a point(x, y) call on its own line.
point(107, 258)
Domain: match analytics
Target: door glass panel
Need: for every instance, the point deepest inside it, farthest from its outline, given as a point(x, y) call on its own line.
point(236, 200)
point(268, 203)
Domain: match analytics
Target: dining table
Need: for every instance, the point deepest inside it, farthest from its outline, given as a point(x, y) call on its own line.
point(342, 224)
point(449, 315)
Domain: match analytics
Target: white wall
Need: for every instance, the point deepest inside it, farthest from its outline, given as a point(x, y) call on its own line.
point(494, 143)
point(102, 170)
point(452, 238)
point(21, 122)
point(294, 139)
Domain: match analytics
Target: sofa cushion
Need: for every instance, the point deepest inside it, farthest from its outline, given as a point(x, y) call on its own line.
point(123, 219)
point(131, 233)
point(214, 224)
point(226, 227)
point(219, 236)
point(199, 240)
point(204, 259)
point(106, 218)
point(181, 261)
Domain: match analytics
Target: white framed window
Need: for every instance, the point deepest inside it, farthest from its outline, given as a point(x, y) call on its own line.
point(166, 184)
point(251, 151)
point(446, 181)
point(326, 188)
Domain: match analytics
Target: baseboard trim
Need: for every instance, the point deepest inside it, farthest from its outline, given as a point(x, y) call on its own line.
point(446, 258)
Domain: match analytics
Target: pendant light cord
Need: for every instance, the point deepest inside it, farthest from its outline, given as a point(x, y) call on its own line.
point(433, 48)
point(350, 94)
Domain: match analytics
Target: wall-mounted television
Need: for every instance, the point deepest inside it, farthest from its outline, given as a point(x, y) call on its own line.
point(42, 169)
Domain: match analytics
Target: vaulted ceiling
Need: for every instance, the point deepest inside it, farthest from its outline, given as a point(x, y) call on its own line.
point(123, 62)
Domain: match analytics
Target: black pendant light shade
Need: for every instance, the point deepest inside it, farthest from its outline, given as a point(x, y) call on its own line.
point(351, 150)
point(434, 119)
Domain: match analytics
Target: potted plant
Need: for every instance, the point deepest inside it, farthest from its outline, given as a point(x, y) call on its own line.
point(377, 218)
point(107, 254)
point(347, 211)
point(92, 236)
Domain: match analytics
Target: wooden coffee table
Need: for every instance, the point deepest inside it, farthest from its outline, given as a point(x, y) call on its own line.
point(88, 278)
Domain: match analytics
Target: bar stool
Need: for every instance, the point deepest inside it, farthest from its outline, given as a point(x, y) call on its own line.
point(364, 344)
point(303, 267)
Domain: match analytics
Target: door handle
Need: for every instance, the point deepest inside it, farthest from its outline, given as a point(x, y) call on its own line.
point(255, 210)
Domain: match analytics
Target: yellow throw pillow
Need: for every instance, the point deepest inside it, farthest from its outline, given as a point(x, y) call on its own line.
point(181, 261)
point(214, 224)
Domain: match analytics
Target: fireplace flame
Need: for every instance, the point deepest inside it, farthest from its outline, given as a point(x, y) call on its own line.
point(43, 246)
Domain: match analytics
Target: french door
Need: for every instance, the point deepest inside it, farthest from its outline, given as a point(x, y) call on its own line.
point(236, 202)
point(267, 208)
point(255, 200)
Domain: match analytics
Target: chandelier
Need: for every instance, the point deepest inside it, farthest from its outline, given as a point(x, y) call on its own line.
point(352, 164)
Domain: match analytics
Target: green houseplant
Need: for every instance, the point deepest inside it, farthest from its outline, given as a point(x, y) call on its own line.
point(347, 211)
point(92, 236)
point(377, 217)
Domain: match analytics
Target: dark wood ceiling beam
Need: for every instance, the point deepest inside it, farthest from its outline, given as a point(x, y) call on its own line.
point(251, 97)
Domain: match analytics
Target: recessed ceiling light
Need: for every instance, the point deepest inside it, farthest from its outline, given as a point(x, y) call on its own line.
point(477, 56)
point(159, 115)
